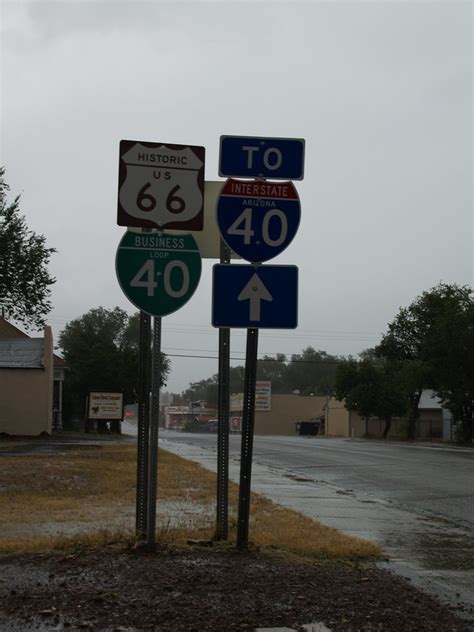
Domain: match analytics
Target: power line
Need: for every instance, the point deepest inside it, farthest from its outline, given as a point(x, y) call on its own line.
point(289, 360)
point(196, 329)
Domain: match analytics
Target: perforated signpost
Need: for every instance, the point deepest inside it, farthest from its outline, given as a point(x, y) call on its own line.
point(161, 186)
point(257, 219)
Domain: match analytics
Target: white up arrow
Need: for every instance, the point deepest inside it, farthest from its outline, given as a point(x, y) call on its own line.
point(255, 291)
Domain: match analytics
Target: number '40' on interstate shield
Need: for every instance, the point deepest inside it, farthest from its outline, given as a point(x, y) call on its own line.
point(258, 219)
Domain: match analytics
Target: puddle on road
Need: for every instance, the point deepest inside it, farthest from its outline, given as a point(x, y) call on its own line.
point(299, 479)
point(435, 550)
point(441, 551)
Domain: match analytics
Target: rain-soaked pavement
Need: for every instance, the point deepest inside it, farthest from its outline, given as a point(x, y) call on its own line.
point(416, 501)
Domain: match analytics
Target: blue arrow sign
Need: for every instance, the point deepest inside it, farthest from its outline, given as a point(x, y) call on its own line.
point(260, 297)
point(258, 219)
point(261, 157)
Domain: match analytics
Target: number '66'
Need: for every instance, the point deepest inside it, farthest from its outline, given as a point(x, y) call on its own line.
point(174, 203)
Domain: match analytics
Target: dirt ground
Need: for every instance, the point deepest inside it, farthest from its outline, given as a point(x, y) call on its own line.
point(207, 589)
point(119, 589)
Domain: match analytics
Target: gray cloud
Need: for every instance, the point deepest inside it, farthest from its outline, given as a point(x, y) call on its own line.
point(382, 92)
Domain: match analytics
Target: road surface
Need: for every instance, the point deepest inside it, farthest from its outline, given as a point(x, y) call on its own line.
point(416, 500)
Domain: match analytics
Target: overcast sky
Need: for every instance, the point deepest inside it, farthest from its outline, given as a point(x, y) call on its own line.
point(381, 91)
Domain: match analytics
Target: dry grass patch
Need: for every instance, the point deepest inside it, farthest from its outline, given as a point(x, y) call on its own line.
point(272, 526)
point(88, 488)
point(69, 485)
point(97, 539)
point(64, 486)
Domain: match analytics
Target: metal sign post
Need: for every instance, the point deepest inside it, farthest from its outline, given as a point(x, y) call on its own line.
point(257, 219)
point(153, 446)
point(248, 421)
point(143, 425)
point(161, 185)
point(223, 422)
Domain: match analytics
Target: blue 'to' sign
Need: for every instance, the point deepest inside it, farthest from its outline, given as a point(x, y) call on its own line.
point(258, 219)
point(261, 157)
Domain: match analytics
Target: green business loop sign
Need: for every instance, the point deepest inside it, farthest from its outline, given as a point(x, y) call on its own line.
point(158, 273)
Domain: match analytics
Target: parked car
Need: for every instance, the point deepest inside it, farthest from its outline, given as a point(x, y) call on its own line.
point(211, 425)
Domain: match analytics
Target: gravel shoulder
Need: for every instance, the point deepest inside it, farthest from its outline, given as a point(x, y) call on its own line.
point(213, 589)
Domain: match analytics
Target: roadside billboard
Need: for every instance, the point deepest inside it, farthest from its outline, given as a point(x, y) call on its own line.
point(263, 396)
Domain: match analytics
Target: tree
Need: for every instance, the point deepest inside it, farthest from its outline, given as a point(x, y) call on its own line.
point(372, 388)
point(101, 349)
point(309, 372)
point(275, 371)
point(207, 390)
point(24, 278)
point(390, 400)
point(312, 372)
point(406, 342)
point(451, 353)
point(424, 339)
point(203, 390)
point(357, 384)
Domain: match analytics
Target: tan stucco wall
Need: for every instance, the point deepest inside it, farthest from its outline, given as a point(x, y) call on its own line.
point(375, 426)
point(337, 419)
point(429, 424)
point(286, 410)
point(357, 425)
point(26, 406)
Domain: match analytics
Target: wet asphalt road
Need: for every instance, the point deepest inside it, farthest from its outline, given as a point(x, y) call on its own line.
point(437, 480)
point(416, 501)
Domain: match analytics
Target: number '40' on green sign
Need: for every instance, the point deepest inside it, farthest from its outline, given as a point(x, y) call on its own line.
point(145, 278)
point(156, 277)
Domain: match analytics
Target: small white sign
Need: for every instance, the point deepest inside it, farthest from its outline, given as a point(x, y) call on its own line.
point(236, 403)
point(105, 406)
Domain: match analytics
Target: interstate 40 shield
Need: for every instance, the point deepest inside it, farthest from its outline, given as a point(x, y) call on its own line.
point(258, 219)
point(158, 273)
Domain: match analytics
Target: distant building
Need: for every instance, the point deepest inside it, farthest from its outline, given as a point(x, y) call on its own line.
point(434, 422)
point(280, 414)
point(31, 380)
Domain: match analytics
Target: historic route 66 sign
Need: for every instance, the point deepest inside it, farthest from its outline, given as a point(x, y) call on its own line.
point(161, 185)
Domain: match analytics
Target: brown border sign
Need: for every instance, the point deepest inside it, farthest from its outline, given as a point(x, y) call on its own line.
point(161, 185)
point(105, 405)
